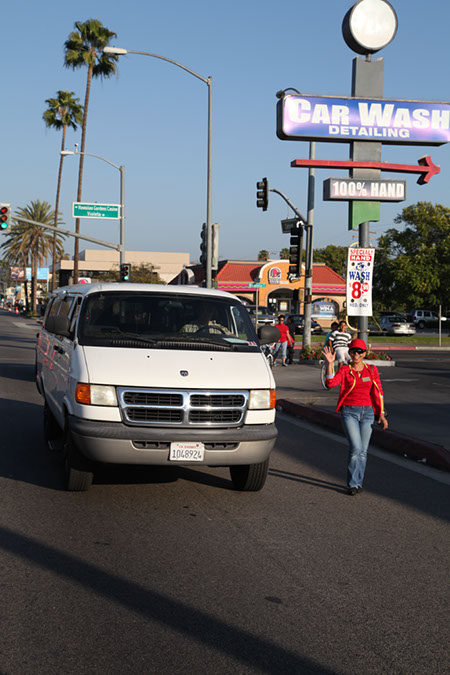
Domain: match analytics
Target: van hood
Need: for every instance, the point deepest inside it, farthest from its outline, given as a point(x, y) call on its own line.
point(162, 368)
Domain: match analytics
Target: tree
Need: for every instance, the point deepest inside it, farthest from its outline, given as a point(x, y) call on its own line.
point(84, 47)
point(30, 244)
point(263, 255)
point(412, 266)
point(284, 254)
point(333, 256)
point(140, 274)
point(63, 111)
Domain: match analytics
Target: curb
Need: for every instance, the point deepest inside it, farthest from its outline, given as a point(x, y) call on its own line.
point(436, 455)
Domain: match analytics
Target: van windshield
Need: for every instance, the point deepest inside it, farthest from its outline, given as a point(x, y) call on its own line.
point(165, 321)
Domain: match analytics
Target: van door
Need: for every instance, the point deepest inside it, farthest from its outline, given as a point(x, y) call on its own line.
point(47, 346)
point(62, 354)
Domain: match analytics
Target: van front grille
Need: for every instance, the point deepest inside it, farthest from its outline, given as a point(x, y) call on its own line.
point(162, 407)
point(154, 415)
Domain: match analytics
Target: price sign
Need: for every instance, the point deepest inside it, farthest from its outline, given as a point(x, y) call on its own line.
point(359, 281)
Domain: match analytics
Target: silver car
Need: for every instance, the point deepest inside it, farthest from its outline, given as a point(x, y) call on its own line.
point(397, 325)
point(265, 316)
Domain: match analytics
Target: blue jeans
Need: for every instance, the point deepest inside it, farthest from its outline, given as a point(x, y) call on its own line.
point(357, 423)
point(280, 347)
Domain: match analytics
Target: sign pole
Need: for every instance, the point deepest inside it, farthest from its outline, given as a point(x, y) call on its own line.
point(307, 298)
point(367, 80)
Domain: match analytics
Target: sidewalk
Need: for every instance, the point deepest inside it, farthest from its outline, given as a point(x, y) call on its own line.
point(300, 393)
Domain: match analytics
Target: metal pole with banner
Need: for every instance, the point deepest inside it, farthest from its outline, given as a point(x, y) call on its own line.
point(359, 281)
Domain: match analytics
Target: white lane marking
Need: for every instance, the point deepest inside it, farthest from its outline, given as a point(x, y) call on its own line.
point(411, 465)
point(400, 379)
point(26, 325)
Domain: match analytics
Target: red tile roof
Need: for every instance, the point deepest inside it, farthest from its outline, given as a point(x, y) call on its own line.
point(325, 275)
point(239, 271)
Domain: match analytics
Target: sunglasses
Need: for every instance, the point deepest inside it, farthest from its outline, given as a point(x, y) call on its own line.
point(356, 350)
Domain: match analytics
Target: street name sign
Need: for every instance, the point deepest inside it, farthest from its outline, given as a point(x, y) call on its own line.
point(347, 119)
point(105, 211)
point(256, 285)
point(347, 189)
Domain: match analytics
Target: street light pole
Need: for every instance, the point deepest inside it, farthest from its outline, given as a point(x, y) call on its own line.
point(208, 81)
point(121, 168)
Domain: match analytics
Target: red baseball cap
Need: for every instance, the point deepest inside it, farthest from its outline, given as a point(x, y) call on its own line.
point(357, 344)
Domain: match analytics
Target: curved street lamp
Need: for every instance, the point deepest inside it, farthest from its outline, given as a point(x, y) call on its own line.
point(121, 168)
point(208, 81)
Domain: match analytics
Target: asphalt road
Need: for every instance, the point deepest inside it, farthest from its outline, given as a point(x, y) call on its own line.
point(171, 571)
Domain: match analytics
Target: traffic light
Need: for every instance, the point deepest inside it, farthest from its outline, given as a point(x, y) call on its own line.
point(125, 272)
point(295, 251)
point(5, 216)
point(204, 246)
point(262, 194)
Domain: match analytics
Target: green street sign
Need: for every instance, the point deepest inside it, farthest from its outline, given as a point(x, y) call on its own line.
point(106, 211)
point(255, 285)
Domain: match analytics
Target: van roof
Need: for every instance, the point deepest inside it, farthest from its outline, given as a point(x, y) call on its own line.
point(86, 289)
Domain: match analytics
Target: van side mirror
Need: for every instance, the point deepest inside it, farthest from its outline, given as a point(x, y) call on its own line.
point(268, 334)
point(61, 325)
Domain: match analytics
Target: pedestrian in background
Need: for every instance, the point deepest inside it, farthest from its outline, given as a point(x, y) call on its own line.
point(334, 326)
point(283, 342)
point(360, 399)
point(339, 341)
point(290, 349)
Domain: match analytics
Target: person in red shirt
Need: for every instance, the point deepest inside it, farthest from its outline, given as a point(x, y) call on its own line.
point(283, 342)
point(360, 399)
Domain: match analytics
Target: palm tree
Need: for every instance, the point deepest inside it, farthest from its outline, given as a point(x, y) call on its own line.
point(263, 255)
point(63, 111)
point(284, 254)
point(30, 244)
point(84, 47)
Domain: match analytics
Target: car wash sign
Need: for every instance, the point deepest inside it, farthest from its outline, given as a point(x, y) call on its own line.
point(325, 118)
point(359, 281)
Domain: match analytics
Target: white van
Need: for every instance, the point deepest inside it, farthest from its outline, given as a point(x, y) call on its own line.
point(162, 375)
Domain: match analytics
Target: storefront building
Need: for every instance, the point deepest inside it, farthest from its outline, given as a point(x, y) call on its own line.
point(268, 284)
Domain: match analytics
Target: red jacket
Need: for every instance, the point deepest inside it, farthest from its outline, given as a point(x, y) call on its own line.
point(347, 379)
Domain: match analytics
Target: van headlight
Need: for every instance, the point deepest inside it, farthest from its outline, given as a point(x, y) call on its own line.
point(261, 399)
point(95, 394)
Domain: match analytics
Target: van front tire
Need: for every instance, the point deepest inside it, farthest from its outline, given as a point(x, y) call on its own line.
point(78, 470)
point(249, 477)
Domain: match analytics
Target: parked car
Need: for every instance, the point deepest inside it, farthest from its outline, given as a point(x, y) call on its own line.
point(316, 328)
point(425, 318)
point(397, 325)
point(265, 316)
point(155, 375)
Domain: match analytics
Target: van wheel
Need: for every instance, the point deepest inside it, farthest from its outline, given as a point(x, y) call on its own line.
point(421, 324)
point(78, 469)
point(249, 477)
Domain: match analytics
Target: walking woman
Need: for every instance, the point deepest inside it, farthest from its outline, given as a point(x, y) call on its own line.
point(360, 399)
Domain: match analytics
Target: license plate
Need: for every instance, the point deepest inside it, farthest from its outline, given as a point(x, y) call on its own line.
point(187, 452)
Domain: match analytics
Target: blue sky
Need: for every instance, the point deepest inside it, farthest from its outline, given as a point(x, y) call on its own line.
point(152, 117)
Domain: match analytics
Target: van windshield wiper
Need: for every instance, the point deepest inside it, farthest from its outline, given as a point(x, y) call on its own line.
point(119, 337)
point(192, 340)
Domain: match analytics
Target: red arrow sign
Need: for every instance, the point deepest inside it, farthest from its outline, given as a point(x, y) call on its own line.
point(425, 166)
